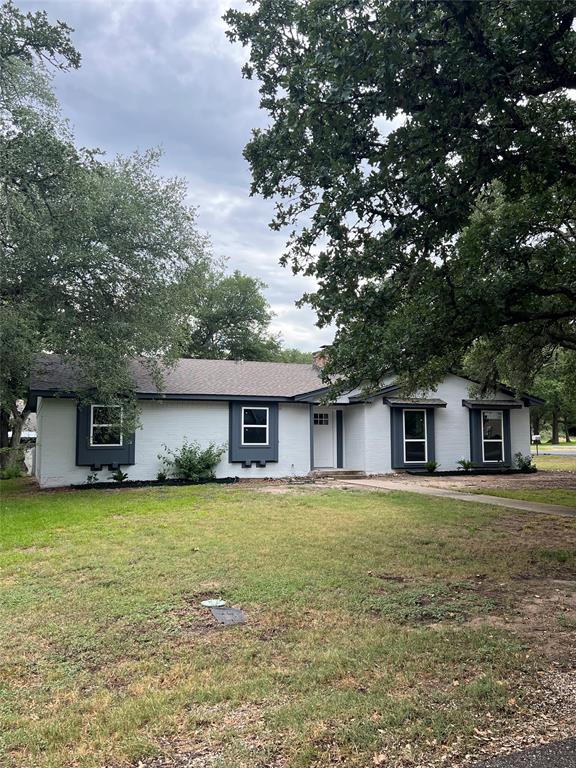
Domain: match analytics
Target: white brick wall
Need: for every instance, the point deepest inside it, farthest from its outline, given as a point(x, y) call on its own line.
point(452, 430)
point(520, 431)
point(378, 443)
point(353, 434)
point(167, 422)
point(366, 436)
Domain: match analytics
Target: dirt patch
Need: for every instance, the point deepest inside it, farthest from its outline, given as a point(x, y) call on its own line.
point(543, 616)
point(548, 715)
point(204, 743)
point(283, 488)
point(541, 480)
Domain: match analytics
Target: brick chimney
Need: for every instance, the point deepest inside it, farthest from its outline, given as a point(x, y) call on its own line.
point(320, 357)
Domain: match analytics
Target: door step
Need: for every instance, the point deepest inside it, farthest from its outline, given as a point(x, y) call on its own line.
point(337, 474)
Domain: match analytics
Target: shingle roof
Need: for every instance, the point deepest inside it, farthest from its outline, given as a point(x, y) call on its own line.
point(193, 377)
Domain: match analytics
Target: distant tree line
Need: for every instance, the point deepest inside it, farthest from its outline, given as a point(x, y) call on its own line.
point(556, 384)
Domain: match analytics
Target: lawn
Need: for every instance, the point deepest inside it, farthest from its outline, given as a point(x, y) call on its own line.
point(374, 626)
point(565, 497)
point(555, 463)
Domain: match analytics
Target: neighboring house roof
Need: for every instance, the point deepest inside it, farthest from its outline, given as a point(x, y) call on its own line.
point(193, 377)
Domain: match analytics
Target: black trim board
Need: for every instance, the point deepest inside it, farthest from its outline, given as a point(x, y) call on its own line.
point(339, 440)
point(35, 394)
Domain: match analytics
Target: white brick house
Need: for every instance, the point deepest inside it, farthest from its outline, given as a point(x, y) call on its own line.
point(274, 422)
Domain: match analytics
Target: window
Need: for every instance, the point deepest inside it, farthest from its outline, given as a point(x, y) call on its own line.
point(106, 425)
point(254, 426)
point(492, 436)
point(321, 419)
point(415, 449)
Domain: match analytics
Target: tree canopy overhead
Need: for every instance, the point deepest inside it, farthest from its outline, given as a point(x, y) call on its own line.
point(424, 156)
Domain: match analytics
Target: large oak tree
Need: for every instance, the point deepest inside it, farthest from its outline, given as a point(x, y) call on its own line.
point(424, 156)
point(96, 256)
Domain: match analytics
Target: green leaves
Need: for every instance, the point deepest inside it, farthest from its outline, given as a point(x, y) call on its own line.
point(450, 225)
point(94, 252)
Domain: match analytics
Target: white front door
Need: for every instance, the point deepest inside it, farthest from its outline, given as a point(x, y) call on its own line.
point(323, 438)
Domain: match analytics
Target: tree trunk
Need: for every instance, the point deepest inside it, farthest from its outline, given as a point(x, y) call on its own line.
point(4, 439)
point(555, 428)
point(535, 424)
point(12, 454)
point(566, 428)
point(18, 421)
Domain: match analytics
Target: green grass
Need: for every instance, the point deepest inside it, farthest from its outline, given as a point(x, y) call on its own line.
point(563, 496)
point(555, 463)
point(359, 636)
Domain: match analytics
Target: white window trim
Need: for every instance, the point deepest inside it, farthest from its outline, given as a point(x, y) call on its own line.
point(258, 426)
point(491, 440)
point(415, 439)
point(92, 425)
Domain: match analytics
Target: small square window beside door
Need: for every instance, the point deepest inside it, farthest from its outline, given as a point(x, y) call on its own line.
point(321, 419)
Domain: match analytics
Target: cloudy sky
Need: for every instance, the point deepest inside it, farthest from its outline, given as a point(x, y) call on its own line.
point(162, 73)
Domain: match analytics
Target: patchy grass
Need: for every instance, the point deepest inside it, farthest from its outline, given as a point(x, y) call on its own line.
point(555, 463)
point(429, 603)
point(565, 497)
point(367, 625)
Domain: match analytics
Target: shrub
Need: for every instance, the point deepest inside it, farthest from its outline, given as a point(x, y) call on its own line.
point(12, 461)
point(162, 476)
point(432, 466)
point(91, 478)
point(119, 476)
point(191, 461)
point(11, 472)
point(523, 463)
point(465, 464)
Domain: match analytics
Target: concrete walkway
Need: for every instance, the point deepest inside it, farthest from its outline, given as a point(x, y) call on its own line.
point(475, 498)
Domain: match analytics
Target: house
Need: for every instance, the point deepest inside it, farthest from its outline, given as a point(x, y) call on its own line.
point(274, 421)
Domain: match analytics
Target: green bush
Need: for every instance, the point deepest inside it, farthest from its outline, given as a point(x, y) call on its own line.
point(191, 461)
point(119, 476)
point(432, 466)
point(11, 472)
point(465, 464)
point(523, 463)
point(12, 460)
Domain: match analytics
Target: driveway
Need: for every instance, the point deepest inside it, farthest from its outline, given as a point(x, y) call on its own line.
point(560, 754)
point(555, 452)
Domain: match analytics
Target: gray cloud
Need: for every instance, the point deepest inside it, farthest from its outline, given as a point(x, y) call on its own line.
point(162, 73)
